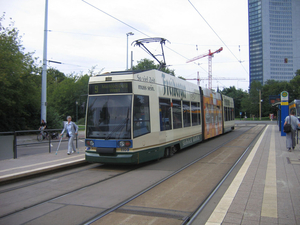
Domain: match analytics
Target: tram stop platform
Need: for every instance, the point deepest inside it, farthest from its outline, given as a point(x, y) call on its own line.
point(266, 189)
point(39, 163)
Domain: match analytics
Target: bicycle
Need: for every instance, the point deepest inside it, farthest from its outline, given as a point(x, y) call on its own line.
point(42, 135)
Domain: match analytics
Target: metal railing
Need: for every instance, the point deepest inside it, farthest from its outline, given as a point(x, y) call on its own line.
point(31, 133)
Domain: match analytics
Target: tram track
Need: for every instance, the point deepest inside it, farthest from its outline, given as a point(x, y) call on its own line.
point(26, 181)
point(181, 215)
point(90, 167)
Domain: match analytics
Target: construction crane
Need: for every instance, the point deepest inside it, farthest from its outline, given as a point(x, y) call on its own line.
point(210, 55)
point(215, 78)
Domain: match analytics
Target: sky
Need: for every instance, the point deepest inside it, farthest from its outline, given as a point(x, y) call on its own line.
point(86, 34)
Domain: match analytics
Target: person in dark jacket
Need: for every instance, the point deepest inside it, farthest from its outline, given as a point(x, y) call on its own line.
point(290, 137)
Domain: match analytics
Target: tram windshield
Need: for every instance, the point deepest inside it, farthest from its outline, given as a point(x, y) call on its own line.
point(108, 117)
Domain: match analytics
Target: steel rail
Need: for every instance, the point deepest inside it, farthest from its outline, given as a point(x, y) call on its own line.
point(67, 193)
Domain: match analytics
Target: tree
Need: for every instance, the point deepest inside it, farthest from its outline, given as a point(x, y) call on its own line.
point(237, 95)
point(146, 64)
point(295, 87)
point(65, 94)
point(19, 93)
point(250, 103)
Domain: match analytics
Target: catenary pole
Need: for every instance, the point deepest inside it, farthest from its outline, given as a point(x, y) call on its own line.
point(44, 72)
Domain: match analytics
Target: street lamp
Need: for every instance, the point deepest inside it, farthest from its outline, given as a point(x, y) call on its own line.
point(130, 33)
point(76, 111)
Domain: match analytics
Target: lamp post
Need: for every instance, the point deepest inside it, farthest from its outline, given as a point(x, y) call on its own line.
point(259, 104)
point(76, 111)
point(44, 71)
point(130, 33)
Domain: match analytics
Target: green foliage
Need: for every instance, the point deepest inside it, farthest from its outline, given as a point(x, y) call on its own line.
point(66, 93)
point(146, 64)
point(250, 103)
point(20, 92)
point(81, 121)
point(19, 103)
point(237, 95)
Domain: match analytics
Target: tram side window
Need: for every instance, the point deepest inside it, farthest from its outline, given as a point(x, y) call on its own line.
point(195, 107)
point(225, 114)
point(165, 114)
point(186, 114)
point(141, 115)
point(177, 119)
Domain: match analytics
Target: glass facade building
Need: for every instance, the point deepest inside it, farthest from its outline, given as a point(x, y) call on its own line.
point(274, 39)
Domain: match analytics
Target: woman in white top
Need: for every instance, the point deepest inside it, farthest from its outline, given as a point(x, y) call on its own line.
point(72, 131)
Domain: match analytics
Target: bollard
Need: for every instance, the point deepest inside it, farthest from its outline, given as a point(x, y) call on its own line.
point(76, 141)
point(49, 137)
point(15, 145)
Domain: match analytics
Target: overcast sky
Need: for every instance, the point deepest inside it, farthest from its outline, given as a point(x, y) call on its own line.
point(82, 36)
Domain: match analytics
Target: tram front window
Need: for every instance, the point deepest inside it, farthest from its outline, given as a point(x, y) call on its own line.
point(108, 117)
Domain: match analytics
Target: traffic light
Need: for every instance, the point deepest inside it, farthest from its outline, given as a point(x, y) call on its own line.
point(285, 60)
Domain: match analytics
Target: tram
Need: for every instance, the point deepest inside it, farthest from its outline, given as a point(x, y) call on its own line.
point(139, 116)
point(295, 105)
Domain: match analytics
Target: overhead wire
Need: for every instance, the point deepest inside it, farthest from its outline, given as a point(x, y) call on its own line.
point(217, 35)
point(136, 30)
point(115, 18)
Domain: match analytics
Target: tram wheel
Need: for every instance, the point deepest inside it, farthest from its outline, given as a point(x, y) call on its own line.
point(173, 150)
point(167, 152)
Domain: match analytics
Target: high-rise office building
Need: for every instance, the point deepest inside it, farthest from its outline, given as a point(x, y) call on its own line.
point(274, 39)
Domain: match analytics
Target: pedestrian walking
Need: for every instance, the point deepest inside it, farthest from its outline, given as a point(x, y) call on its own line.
point(72, 131)
point(290, 137)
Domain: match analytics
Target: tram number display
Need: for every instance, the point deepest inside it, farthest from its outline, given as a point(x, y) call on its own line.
point(110, 88)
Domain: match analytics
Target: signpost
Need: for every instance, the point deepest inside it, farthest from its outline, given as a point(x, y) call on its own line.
point(284, 97)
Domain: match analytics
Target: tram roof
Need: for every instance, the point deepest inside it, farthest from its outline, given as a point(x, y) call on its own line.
point(125, 72)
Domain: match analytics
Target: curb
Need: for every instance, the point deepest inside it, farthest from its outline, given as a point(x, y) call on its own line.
point(41, 170)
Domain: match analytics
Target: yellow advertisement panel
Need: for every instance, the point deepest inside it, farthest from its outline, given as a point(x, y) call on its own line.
point(213, 125)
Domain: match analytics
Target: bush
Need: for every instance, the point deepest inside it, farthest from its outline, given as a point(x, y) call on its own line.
point(81, 121)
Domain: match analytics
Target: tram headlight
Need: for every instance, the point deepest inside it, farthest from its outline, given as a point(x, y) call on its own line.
point(123, 144)
point(89, 143)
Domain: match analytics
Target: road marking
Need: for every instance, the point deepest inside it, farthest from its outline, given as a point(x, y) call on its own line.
point(269, 205)
point(218, 215)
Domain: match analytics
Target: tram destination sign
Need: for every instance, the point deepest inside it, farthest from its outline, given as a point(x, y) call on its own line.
point(110, 88)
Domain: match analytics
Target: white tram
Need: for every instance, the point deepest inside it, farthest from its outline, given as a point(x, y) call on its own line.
point(134, 117)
